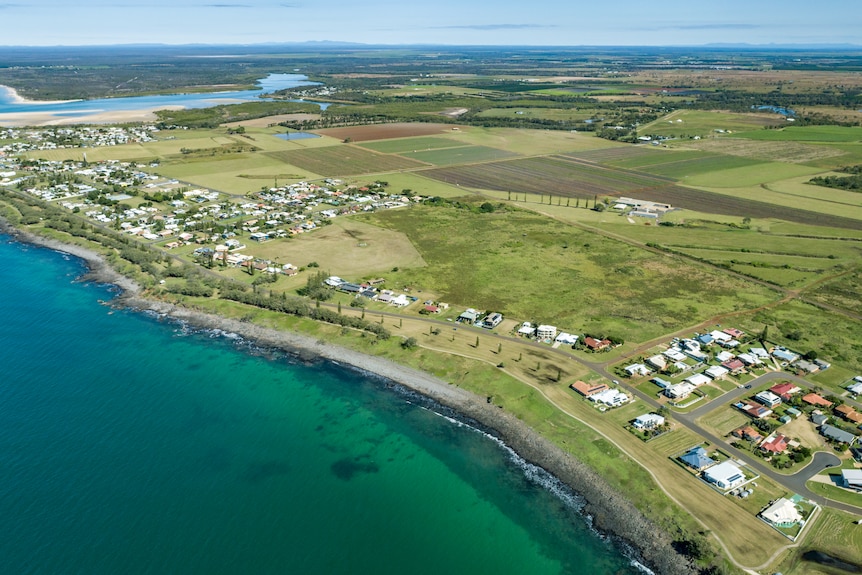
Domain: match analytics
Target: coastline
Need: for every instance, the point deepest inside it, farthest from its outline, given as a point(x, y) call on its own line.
point(19, 99)
point(609, 510)
point(19, 119)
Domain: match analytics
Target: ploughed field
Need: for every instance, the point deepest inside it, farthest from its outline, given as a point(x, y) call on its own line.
point(572, 177)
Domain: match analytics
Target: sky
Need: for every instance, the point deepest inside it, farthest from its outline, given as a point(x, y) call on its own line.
point(454, 22)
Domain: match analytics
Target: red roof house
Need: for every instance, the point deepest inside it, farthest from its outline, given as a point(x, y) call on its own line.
point(814, 399)
point(775, 444)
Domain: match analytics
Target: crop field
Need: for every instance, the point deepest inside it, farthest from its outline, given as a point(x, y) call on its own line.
point(460, 155)
point(237, 174)
point(557, 175)
point(828, 203)
point(806, 134)
point(384, 131)
point(533, 142)
point(540, 113)
point(343, 160)
point(752, 175)
point(411, 145)
point(621, 154)
point(790, 152)
point(492, 261)
point(683, 168)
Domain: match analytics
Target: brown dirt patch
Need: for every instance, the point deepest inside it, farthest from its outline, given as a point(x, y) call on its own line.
point(804, 430)
point(384, 131)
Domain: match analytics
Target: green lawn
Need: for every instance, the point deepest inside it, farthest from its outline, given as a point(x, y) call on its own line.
point(750, 175)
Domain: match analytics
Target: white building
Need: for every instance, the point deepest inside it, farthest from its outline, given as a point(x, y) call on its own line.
point(657, 361)
point(648, 421)
point(726, 475)
point(637, 369)
point(679, 391)
point(782, 513)
point(767, 398)
point(610, 397)
point(717, 372)
point(697, 379)
point(546, 332)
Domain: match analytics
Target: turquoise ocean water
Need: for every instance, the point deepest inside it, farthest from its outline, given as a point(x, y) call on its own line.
point(132, 444)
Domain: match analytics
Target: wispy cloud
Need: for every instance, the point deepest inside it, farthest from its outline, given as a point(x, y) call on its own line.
point(706, 26)
point(495, 27)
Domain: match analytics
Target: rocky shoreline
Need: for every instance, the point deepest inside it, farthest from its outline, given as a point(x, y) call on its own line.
point(611, 512)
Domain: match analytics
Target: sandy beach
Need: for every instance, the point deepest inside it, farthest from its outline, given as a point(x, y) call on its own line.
point(610, 511)
point(18, 119)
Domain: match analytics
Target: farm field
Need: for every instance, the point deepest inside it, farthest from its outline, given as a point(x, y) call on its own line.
point(384, 131)
point(343, 160)
point(784, 270)
point(625, 153)
point(751, 175)
point(806, 134)
point(791, 152)
point(828, 203)
point(235, 175)
point(414, 181)
point(539, 113)
point(460, 155)
point(591, 283)
point(533, 142)
point(400, 145)
point(683, 169)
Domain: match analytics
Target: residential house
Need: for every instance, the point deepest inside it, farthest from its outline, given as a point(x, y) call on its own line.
point(725, 475)
point(588, 389)
point(849, 414)
point(697, 458)
point(814, 399)
point(661, 382)
point(774, 444)
point(470, 315)
point(637, 369)
point(493, 320)
point(759, 352)
point(734, 366)
point(784, 354)
point(747, 433)
point(566, 338)
point(717, 372)
point(785, 390)
point(754, 410)
point(720, 337)
point(597, 345)
point(835, 434)
point(856, 388)
point(697, 379)
point(679, 391)
point(723, 356)
point(648, 421)
point(782, 513)
point(852, 478)
point(526, 330)
point(767, 398)
point(659, 362)
point(806, 366)
point(610, 397)
point(818, 418)
point(546, 332)
point(674, 355)
point(749, 359)
point(733, 332)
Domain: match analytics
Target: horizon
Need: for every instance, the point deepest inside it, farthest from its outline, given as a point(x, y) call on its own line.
point(550, 23)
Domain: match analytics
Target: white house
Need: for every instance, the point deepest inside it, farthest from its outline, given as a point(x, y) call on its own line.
point(657, 361)
point(697, 379)
point(546, 332)
point(725, 475)
point(855, 388)
point(679, 391)
point(723, 356)
point(767, 398)
point(782, 513)
point(674, 355)
point(749, 359)
point(566, 338)
point(637, 369)
point(610, 397)
point(717, 372)
point(526, 329)
point(648, 421)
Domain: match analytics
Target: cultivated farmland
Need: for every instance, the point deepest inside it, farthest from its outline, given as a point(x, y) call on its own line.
point(384, 131)
point(343, 160)
point(461, 155)
point(401, 145)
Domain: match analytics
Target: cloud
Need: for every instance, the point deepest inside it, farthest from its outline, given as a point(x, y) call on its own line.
point(496, 27)
point(709, 26)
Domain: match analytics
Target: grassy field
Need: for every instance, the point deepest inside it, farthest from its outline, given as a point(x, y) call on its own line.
point(724, 420)
point(539, 113)
point(828, 155)
point(687, 123)
point(460, 155)
point(236, 174)
point(343, 160)
point(416, 182)
point(812, 199)
point(498, 261)
point(834, 337)
point(683, 169)
point(832, 533)
point(842, 292)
